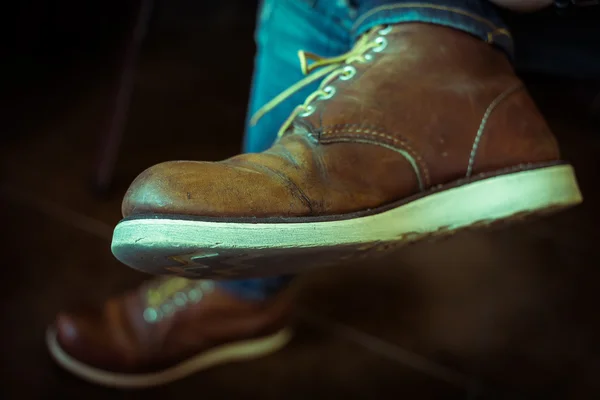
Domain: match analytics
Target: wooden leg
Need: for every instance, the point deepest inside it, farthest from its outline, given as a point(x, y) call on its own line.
point(111, 140)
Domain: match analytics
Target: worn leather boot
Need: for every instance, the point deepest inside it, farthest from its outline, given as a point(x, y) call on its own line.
point(419, 131)
point(167, 329)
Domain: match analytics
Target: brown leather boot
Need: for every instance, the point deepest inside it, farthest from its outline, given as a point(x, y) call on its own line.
point(166, 330)
point(418, 131)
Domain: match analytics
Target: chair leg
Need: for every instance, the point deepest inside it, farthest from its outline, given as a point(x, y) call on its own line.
point(111, 140)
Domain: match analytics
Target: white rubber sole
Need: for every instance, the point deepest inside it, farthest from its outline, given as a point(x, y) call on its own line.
point(238, 351)
point(209, 249)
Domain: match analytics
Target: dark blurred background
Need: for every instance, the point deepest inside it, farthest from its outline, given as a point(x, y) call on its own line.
point(509, 314)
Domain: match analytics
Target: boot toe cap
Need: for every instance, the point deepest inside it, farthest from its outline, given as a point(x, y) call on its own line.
point(83, 339)
point(223, 189)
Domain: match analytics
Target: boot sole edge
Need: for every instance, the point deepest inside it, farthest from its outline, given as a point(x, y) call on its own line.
point(234, 352)
point(197, 248)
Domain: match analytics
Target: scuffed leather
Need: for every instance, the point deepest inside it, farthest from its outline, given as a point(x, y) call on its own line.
point(115, 336)
point(406, 122)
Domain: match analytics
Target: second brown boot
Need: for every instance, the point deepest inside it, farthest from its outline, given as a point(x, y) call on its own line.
point(418, 131)
point(165, 330)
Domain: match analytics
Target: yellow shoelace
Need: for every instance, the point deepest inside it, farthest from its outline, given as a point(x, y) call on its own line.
point(164, 290)
point(334, 67)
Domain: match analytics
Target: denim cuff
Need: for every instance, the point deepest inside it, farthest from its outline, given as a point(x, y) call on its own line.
point(256, 289)
point(477, 17)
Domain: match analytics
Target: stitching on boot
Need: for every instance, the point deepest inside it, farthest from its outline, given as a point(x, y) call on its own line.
point(401, 145)
point(497, 101)
point(367, 140)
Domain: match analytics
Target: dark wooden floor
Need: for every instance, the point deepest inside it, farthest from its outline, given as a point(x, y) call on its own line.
point(501, 315)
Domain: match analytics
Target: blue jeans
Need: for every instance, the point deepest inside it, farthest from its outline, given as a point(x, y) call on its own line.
point(329, 28)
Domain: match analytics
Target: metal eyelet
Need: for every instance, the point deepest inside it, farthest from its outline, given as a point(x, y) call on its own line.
point(180, 299)
point(152, 315)
point(329, 90)
point(368, 57)
point(382, 42)
point(194, 295)
point(349, 72)
point(385, 30)
point(308, 111)
point(168, 309)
